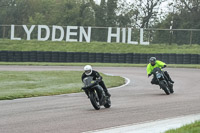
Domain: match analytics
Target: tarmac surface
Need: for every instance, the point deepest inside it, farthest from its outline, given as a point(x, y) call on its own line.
point(137, 102)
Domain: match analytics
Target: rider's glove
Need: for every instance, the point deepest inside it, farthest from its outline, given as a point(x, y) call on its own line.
point(164, 66)
point(99, 80)
point(83, 88)
point(149, 75)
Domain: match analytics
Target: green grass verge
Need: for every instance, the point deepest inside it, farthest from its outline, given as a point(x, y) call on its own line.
point(96, 64)
point(95, 47)
point(190, 128)
point(14, 84)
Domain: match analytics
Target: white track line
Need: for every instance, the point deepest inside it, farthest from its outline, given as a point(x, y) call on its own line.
point(127, 80)
point(158, 126)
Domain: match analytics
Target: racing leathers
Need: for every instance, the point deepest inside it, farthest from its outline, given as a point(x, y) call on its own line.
point(97, 76)
point(161, 65)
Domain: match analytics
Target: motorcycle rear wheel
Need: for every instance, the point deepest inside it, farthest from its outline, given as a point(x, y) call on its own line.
point(108, 103)
point(171, 90)
point(171, 87)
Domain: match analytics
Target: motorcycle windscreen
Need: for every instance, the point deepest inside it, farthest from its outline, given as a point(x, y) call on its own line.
point(158, 75)
point(88, 81)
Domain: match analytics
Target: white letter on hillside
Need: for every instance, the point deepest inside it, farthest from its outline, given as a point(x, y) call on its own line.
point(40, 27)
point(69, 33)
point(141, 38)
point(82, 32)
point(13, 33)
point(129, 37)
point(124, 35)
point(28, 32)
point(110, 35)
point(54, 33)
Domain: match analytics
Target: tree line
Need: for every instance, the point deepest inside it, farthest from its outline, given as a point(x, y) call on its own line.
point(180, 14)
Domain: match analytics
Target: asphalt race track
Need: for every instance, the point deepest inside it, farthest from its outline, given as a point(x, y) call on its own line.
point(137, 102)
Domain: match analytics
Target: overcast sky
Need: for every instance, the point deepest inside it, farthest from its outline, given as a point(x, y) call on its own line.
point(163, 9)
point(163, 5)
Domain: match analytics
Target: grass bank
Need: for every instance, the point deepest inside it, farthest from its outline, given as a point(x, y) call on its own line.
point(190, 128)
point(31, 84)
point(95, 47)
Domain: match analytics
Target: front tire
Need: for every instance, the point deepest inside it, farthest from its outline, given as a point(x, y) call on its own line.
point(166, 90)
point(94, 100)
point(164, 86)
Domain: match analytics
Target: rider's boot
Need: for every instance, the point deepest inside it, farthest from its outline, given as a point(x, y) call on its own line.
point(107, 93)
point(166, 73)
point(105, 89)
point(171, 80)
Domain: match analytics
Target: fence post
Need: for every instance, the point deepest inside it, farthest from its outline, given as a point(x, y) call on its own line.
point(190, 37)
point(4, 30)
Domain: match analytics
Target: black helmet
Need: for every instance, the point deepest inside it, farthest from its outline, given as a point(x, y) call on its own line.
point(152, 60)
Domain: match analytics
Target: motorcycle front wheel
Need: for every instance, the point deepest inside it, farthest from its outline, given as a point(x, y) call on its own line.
point(164, 87)
point(94, 100)
point(166, 90)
